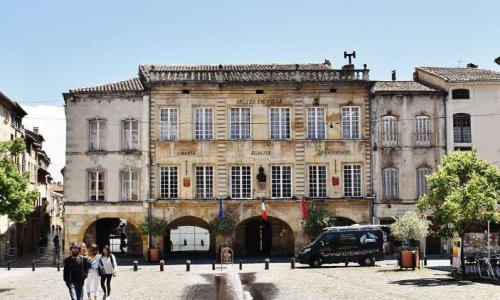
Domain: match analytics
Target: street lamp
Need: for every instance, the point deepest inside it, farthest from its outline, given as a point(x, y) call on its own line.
point(150, 213)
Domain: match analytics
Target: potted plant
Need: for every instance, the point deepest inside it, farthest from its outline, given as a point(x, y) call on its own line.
point(317, 219)
point(154, 227)
point(409, 229)
point(222, 229)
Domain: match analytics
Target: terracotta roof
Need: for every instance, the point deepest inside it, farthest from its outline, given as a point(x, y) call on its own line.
point(462, 74)
point(131, 85)
point(400, 86)
point(247, 73)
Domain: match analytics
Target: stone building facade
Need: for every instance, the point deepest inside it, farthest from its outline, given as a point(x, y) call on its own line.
point(408, 142)
point(245, 133)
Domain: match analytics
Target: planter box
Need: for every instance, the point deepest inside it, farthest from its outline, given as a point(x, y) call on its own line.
point(409, 259)
point(153, 254)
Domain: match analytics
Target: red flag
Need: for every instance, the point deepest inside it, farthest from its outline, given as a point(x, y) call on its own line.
point(264, 212)
point(304, 208)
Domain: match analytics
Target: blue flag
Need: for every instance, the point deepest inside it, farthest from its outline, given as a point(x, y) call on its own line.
point(221, 213)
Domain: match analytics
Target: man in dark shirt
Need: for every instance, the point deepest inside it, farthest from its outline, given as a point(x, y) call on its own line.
point(76, 269)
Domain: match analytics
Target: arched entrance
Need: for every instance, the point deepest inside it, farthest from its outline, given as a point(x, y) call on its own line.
point(341, 221)
point(255, 236)
point(117, 233)
point(188, 236)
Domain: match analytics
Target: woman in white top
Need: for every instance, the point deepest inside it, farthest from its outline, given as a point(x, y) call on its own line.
point(110, 268)
point(92, 281)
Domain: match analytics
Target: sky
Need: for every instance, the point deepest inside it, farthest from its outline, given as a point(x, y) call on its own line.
point(48, 47)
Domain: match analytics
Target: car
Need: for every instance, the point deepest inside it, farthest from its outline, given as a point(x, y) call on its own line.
point(362, 244)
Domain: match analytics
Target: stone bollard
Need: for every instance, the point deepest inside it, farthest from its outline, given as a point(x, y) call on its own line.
point(213, 265)
point(267, 264)
point(241, 265)
point(162, 263)
point(58, 266)
point(33, 265)
point(8, 265)
point(292, 263)
point(135, 265)
point(188, 265)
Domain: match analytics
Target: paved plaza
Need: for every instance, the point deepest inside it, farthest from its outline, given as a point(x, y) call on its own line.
point(385, 281)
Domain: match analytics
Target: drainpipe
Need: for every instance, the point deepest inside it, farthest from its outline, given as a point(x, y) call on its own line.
point(150, 198)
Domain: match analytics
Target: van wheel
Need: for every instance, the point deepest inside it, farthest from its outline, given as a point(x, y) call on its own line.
point(367, 261)
point(315, 262)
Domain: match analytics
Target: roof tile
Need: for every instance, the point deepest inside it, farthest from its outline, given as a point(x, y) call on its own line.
point(131, 85)
point(462, 74)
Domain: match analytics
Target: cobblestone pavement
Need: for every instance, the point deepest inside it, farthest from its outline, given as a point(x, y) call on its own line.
point(384, 281)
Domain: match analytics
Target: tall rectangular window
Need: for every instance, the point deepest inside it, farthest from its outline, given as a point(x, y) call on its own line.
point(461, 129)
point(204, 182)
point(241, 182)
point(240, 123)
point(390, 182)
point(316, 123)
point(204, 124)
point(130, 185)
point(281, 181)
point(96, 185)
point(168, 183)
point(350, 122)
point(130, 135)
point(168, 124)
point(352, 180)
point(422, 188)
point(280, 123)
point(97, 134)
point(317, 181)
point(423, 126)
point(389, 131)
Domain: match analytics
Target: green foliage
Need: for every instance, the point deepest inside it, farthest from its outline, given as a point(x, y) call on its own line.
point(16, 199)
point(410, 227)
point(155, 228)
point(226, 227)
point(317, 220)
point(463, 193)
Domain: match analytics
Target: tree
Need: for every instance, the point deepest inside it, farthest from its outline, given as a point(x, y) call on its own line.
point(16, 198)
point(154, 227)
point(409, 227)
point(317, 220)
point(463, 194)
point(224, 227)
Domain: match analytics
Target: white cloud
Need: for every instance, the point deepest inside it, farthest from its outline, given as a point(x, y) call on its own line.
point(51, 122)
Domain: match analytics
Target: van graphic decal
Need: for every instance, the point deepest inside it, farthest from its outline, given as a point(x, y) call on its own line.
point(350, 253)
point(371, 238)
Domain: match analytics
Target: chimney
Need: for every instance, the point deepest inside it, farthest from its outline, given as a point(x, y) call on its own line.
point(327, 63)
point(393, 75)
point(497, 60)
point(35, 129)
point(471, 66)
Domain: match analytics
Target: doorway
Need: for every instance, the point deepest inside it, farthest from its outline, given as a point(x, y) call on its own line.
point(258, 237)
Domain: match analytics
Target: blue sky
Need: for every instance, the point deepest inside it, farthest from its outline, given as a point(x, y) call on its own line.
point(48, 47)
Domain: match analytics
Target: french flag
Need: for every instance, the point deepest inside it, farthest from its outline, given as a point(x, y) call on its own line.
point(304, 208)
point(264, 212)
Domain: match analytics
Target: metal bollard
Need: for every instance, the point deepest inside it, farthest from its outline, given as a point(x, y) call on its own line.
point(33, 265)
point(8, 265)
point(58, 266)
point(267, 264)
point(241, 265)
point(451, 260)
point(135, 265)
point(162, 263)
point(213, 265)
point(292, 263)
point(425, 261)
point(188, 265)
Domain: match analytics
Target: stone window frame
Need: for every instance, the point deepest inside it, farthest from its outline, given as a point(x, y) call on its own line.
point(207, 130)
point(462, 142)
point(349, 188)
point(167, 134)
point(277, 184)
point(316, 181)
point(351, 129)
point(241, 132)
point(314, 132)
point(421, 181)
point(248, 178)
point(124, 134)
point(461, 94)
point(131, 171)
point(390, 183)
point(99, 171)
point(423, 130)
point(101, 145)
point(284, 130)
point(389, 139)
point(207, 184)
point(172, 185)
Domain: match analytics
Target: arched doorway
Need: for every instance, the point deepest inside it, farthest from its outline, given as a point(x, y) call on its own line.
point(188, 237)
point(341, 221)
point(111, 232)
point(255, 237)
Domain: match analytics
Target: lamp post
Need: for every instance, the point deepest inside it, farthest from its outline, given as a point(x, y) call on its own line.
point(150, 213)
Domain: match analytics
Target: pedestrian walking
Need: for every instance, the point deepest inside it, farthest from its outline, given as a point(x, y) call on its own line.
point(76, 268)
point(123, 242)
point(92, 281)
point(53, 228)
point(84, 250)
point(110, 267)
point(56, 248)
